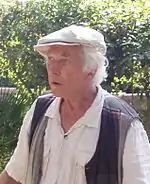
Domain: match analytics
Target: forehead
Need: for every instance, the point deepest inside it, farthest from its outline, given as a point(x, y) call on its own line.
point(65, 50)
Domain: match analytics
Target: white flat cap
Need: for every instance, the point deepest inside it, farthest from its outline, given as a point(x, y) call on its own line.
point(72, 35)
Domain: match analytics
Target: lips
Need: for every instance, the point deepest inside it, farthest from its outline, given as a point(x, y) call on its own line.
point(56, 83)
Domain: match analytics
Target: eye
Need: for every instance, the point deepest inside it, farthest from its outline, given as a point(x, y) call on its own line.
point(50, 58)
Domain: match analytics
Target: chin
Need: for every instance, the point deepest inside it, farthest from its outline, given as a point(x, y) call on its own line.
point(57, 93)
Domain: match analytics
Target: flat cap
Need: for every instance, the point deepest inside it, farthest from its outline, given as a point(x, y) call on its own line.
point(72, 35)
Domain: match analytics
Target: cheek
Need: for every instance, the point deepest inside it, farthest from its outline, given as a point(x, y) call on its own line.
point(49, 73)
point(75, 77)
point(67, 72)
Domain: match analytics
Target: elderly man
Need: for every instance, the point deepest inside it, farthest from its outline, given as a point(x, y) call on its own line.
point(80, 134)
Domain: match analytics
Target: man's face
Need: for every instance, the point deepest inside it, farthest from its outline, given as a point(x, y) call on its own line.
point(65, 70)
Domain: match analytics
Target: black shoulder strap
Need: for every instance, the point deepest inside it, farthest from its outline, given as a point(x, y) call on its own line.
point(42, 104)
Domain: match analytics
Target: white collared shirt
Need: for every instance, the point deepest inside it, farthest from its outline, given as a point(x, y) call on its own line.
point(65, 155)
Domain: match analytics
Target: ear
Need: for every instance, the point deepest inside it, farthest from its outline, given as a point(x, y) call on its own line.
point(91, 73)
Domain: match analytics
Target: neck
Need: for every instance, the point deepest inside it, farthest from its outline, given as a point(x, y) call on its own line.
point(80, 102)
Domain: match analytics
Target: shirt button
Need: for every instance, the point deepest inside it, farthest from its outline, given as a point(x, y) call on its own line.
point(65, 136)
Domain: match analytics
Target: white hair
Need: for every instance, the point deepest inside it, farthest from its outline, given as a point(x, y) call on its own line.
point(95, 60)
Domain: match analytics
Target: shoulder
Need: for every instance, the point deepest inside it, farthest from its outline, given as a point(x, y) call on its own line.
point(115, 104)
point(45, 99)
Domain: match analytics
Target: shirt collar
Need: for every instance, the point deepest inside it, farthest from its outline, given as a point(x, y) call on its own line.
point(53, 109)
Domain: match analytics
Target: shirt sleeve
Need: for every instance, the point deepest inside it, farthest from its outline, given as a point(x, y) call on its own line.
point(17, 165)
point(136, 158)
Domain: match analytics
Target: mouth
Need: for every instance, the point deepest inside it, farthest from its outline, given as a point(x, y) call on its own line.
point(55, 83)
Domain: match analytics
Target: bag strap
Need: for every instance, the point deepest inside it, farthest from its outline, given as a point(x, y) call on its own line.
point(43, 102)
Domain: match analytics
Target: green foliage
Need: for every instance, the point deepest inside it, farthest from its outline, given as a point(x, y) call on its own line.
point(139, 81)
point(126, 29)
point(13, 105)
point(7, 3)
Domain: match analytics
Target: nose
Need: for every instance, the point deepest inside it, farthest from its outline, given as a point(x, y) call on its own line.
point(54, 67)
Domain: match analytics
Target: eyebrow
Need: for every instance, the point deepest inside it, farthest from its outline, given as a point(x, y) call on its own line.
point(65, 54)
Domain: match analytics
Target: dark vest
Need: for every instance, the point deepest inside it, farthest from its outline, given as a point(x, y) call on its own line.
point(105, 167)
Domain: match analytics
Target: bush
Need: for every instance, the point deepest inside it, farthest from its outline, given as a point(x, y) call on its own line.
point(13, 105)
point(126, 30)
